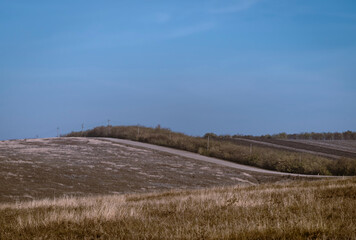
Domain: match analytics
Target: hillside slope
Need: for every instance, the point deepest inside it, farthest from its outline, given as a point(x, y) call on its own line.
point(39, 168)
point(328, 148)
point(237, 151)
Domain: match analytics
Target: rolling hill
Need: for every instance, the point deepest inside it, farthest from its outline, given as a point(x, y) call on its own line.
point(55, 167)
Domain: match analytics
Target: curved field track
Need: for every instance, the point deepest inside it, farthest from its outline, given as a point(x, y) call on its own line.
point(54, 167)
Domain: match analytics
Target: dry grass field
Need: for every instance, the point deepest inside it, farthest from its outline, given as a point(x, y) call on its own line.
point(324, 209)
point(85, 188)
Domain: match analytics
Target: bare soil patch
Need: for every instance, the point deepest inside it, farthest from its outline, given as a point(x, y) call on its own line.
point(42, 168)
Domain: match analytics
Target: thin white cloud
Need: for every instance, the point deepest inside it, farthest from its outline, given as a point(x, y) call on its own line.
point(132, 38)
point(235, 6)
point(190, 30)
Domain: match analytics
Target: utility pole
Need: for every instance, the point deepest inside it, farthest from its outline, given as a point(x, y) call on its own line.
point(57, 131)
point(82, 127)
point(108, 122)
point(138, 130)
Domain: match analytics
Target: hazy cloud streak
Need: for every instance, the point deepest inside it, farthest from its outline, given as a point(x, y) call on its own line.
point(237, 6)
point(186, 31)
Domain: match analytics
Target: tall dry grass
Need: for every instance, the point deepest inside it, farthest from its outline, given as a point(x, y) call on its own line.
point(323, 209)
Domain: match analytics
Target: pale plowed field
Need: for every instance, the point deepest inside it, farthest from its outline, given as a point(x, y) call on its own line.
point(48, 168)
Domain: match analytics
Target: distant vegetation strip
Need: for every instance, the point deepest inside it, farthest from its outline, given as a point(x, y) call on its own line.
point(222, 148)
point(323, 209)
point(347, 135)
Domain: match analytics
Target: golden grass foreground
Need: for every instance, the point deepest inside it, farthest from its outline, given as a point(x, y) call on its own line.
point(324, 209)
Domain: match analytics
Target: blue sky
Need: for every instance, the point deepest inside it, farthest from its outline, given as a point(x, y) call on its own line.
point(236, 66)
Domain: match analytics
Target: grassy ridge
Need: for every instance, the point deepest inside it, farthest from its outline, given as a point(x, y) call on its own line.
point(323, 209)
point(263, 157)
